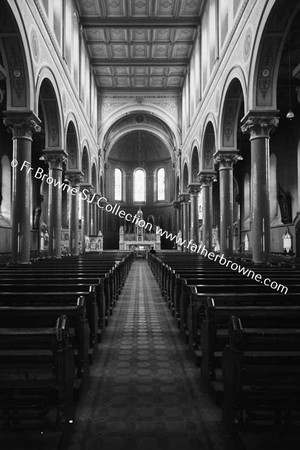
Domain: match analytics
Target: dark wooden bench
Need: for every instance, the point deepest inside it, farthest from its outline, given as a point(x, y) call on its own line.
point(36, 376)
point(261, 372)
point(63, 297)
point(45, 316)
point(214, 330)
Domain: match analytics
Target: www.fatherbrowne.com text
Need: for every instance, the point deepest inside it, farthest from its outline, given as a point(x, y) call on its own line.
point(115, 209)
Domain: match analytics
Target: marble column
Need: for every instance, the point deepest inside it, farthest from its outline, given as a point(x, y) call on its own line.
point(226, 160)
point(260, 124)
point(97, 214)
point(194, 189)
point(75, 178)
point(87, 190)
point(206, 181)
point(55, 159)
point(176, 205)
point(184, 200)
point(92, 212)
point(22, 127)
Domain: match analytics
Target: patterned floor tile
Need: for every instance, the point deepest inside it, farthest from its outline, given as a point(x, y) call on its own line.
point(144, 391)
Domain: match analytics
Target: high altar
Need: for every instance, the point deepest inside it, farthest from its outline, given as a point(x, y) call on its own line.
point(140, 239)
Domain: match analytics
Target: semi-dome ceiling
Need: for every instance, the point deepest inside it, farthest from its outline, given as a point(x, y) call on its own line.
point(138, 147)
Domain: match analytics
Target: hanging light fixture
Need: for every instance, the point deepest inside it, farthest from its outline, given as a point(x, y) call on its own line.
point(290, 115)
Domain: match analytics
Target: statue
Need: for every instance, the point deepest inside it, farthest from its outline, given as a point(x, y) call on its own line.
point(139, 230)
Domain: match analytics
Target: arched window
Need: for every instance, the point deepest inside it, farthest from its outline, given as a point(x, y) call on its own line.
point(118, 185)
point(5, 187)
point(139, 185)
point(161, 185)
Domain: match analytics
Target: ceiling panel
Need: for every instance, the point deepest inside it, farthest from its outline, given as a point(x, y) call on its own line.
point(98, 50)
point(117, 35)
point(115, 8)
point(122, 71)
point(119, 51)
point(166, 8)
point(140, 44)
point(160, 51)
point(163, 34)
point(140, 8)
point(123, 82)
point(139, 51)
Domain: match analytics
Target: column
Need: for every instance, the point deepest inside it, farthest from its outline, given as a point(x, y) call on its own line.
point(226, 160)
point(260, 125)
point(87, 188)
point(97, 210)
point(75, 178)
point(206, 181)
point(194, 189)
point(22, 127)
point(176, 205)
point(55, 159)
point(92, 211)
point(184, 199)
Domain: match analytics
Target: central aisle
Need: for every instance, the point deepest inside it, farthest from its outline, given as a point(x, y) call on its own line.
point(144, 391)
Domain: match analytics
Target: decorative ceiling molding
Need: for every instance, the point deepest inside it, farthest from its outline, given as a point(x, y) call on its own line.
point(140, 44)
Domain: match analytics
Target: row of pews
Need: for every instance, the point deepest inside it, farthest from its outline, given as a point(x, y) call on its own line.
point(53, 315)
point(246, 339)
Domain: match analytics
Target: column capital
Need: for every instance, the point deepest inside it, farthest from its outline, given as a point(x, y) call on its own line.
point(207, 178)
point(184, 198)
point(75, 177)
point(22, 125)
point(227, 158)
point(176, 204)
point(194, 188)
point(88, 187)
point(55, 158)
point(260, 124)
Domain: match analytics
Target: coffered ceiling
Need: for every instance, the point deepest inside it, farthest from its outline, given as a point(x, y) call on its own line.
point(140, 44)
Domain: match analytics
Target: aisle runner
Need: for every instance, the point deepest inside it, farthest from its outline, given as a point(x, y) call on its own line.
point(144, 391)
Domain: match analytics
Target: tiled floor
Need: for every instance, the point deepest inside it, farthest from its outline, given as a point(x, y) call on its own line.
point(144, 391)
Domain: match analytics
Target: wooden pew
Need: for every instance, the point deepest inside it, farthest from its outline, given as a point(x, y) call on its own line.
point(214, 330)
point(261, 371)
point(63, 297)
point(45, 316)
point(36, 376)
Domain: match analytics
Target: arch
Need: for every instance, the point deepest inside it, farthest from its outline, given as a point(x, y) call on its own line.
point(118, 184)
point(177, 187)
point(161, 184)
point(195, 166)
point(208, 148)
point(85, 165)
point(234, 95)
point(247, 197)
point(18, 65)
point(185, 179)
point(153, 110)
point(51, 111)
point(273, 187)
point(151, 219)
point(94, 177)
point(139, 185)
point(267, 53)
point(5, 188)
point(160, 221)
point(72, 147)
point(297, 236)
point(101, 185)
point(156, 132)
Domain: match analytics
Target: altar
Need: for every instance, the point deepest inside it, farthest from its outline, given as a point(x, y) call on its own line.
point(139, 240)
